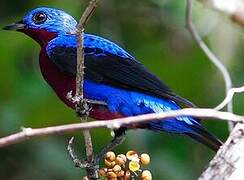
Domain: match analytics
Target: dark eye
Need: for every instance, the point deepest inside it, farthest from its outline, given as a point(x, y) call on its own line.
point(39, 18)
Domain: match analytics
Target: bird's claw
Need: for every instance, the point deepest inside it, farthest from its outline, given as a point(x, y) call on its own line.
point(83, 108)
point(91, 167)
point(84, 164)
point(82, 104)
point(81, 163)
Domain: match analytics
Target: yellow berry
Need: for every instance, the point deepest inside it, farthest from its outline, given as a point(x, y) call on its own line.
point(131, 154)
point(110, 170)
point(120, 173)
point(146, 175)
point(109, 164)
point(110, 155)
point(122, 156)
point(116, 168)
point(145, 159)
point(120, 159)
point(134, 166)
point(111, 175)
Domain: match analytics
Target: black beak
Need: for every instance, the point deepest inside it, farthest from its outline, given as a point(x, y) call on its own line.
point(15, 26)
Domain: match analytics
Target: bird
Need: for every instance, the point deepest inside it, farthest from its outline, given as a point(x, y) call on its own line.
point(112, 75)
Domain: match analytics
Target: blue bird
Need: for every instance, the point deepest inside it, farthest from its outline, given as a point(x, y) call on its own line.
point(112, 75)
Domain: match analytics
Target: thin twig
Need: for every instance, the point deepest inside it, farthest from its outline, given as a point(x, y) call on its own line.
point(81, 105)
point(211, 56)
point(28, 133)
point(229, 97)
point(80, 51)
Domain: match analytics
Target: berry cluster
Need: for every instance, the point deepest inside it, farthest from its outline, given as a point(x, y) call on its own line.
point(125, 167)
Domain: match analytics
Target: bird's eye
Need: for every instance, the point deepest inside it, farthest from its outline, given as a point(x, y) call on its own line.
point(39, 18)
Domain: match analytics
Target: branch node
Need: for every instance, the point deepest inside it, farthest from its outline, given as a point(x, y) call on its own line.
point(27, 131)
point(114, 125)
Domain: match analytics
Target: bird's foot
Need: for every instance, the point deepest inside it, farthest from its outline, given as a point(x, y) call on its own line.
point(83, 163)
point(82, 105)
point(117, 140)
point(83, 108)
point(91, 167)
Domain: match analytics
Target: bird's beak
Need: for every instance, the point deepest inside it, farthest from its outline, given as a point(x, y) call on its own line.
point(15, 26)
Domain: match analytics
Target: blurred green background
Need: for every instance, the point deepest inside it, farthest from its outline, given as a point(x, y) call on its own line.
point(153, 31)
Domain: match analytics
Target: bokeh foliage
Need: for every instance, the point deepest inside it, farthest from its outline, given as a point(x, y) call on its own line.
point(153, 31)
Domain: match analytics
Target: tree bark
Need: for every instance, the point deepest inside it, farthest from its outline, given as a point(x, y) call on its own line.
point(229, 160)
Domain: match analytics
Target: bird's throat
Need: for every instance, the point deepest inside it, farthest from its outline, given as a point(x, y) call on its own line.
point(40, 35)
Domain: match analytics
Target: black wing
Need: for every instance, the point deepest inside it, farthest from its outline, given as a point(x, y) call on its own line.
point(116, 71)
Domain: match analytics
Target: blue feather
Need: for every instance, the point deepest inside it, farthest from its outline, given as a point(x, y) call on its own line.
point(131, 103)
point(91, 42)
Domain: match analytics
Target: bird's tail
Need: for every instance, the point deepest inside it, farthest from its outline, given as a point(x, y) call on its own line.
point(203, 136)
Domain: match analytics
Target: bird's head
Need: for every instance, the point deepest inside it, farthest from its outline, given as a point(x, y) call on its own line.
point(43, 24)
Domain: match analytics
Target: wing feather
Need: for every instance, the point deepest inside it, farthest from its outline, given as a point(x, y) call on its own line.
point(114, 70)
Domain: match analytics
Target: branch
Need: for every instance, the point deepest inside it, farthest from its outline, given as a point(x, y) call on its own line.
point(228, 162)
point(211, 56)
point(81, 105)
point(28, 133)
point(233, 8)
point(229, 97)
point(80, 52)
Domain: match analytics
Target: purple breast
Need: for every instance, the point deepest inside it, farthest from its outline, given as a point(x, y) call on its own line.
point(61, 82)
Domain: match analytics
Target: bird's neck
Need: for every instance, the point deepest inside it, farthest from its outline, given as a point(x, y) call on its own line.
point(40, 35)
